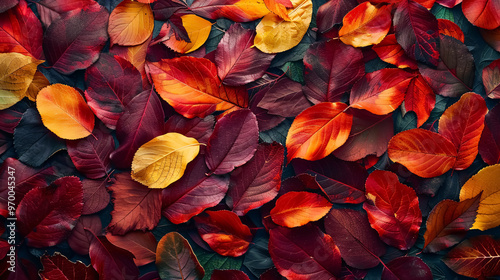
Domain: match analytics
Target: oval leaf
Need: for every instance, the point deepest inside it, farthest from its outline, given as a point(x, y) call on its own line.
point(295, 209)
point(235, 10)
point(130, 23)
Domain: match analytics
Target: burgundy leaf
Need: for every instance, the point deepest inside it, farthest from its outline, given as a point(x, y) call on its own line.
point(233, 141)
point(59, 267)
point(489, 145)
point(82, 235)
point(332, 13)
point(228, 275)
point(491, 79)
point(136, 207)
point(10, 117)
point(271, 274)
point(51, 10)
point(48, 223)
point(197, 128)
point(74, 41)
point(164, 9)
point(265, 120)
point(284, 98)
point(8, 4)
point(95, 196)
point(402, 267)
point(141, 244)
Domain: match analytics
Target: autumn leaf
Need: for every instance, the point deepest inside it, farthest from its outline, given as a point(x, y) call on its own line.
point(59, 267)
point(141, 244)
point(197, 29)
point(390, 51)
point(279, 7)
point(235, 10)
point(401, 267)
point(482, 13)
point(491, 79)
point(420, 98)
point(449, 28)
point(295, 209)
point(130, 23)
point(38, 83)
point(489, 144)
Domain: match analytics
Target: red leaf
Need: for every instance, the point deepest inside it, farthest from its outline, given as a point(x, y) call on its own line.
point(393, 209)
point(477, 257)
point(304, 253)
point(10, 117)
point(136, 207)
point(271, 274)
point(258, 181)
point(332, 13)
point(331, 68)
point(228, 275)
point(197, 128)
point(369, 135)
point(489, 145)
point(390, 51)
point(417, 32)
point(238, 63)
point(284, 98)
point(164, 9)
point(95, 196)
point(449, 222)
point(491, 79)
point(449, 28)
point(358, 243)
point(21, 31)
point(233, 141)
point(48, 223)
point(111, 82)
point(112, 262)
point(420, 98)
point(141, 244)
point(59, 267)
point(224, 232)
point(82, 234)
point(74, 41)
point(295, 209)
point(51, 10)
point(142, 121)
point(402, 267)
point(448, 3)
point(8, 4)
point(482, 13)
point(380, 92)
point(462, 123)
point(193, 193)
point(265, 120)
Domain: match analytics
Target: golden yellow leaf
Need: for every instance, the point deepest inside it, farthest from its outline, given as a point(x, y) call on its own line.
point(130, 23)
point(16, 74)
point(197, 29)
point(275, 35)
point(253, 9)
point(65, 112)
point(163, 160)
point(486, 181)
point(39, 82)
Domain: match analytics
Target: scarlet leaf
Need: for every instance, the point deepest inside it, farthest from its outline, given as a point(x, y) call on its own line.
point(393, 209)
point(258, 181)
point(284, 98)
point(74, 41)
point(237, 62)
point(380, 92)
point(476, 257)
point(224, 232)
point(491, 79)
point(295, 209)
point(489, 144)
point(136, 207)
point(332, 13)
point(358, 243)
point(130, 23)
point(420, 98)
point(233, 142)
point(235, 10)
point(331, 68)
point(279, 7)
point(424, 153)
point(483, 13)
point(462, 123)
point(48, 223)
point(402, 267)
point(449, 28)
point(390, 51)
point(59, 267)
point(193, 193)
point(448, 223)
point(304, 253)
point(83, 233)
point(141, 244)
point(417, 31)
point(229, 275)
point(318, 131)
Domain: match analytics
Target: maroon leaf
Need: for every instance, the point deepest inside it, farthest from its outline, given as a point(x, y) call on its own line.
point(402, 267)
point(48, 223)
point(74, 41)
point(491, 79)
point(193, 193)
point(10, 117)
point(59, 267)
point(197, 128)
point(369, 135)
point(233, 141)
point(111, 82)
point(238, 62)
point(95, 196)
point(271, 274)
point(284, 98)
point(51, 10)
point(417, 32)
point(304, 253)
point(489, 145)
point(142, 121)
point(228, 275)
point(332, 12)
point(258, 181)
point(331, 68)
point(141, 244)
point(82, 235)
point(164, 9)
point(91, 154)
point(358, 243)
point(8, 4)
point(136, 207)
point(265, 120)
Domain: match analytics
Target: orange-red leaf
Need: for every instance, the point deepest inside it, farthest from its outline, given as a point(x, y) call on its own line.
point(130, 23)
point(295, 209)
point(420, 98)
point(278, 7)
point(318, 131)
point(448, 27)
point(482, 13)
point(424, 153)
point(491, 79)
point(390, 51)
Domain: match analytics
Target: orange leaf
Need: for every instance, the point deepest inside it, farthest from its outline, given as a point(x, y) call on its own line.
point(64, 112)
point(390, 51)
point(366, 25)
point(295, 209)
point(197, 29)
point(39, 82)
point(420, 98)
point(235, 10)
point(318, 131)
point(447, 27)
point(130, 23)
point(424, 153)
point(279, 8)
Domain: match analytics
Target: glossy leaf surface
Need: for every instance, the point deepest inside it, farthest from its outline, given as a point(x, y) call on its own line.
point(295, 209)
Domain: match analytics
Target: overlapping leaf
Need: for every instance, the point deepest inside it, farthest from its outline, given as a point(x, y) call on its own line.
point(295, 209)
point(141, 244)
point(59, 267)
point(489, 144)
point(197, 30)
point(130, 23)
point(420, 98)
point(390, 51)
point(482, 13)
point(402, 267)
point(491, 79)
point(235, 10)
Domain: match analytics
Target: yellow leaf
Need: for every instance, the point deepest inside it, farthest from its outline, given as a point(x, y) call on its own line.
point(64, 112)
point(486, 181)
point(163, 160)
point(197, 29)
point(277, 35)
point(16, 74)
point(253, 9)
point(39, 82)
point(131, 23)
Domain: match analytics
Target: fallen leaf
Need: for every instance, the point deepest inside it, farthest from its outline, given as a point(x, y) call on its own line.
point(235, 10)
point(197, 29)
point(141, 244)
point(39, 82)
point(449, 28)
point(295, 209)
point(59, 267)
point(489, 144)
point(483, 13)
point(491, 79)
point(229, 274)
point(390, 51)
point(419, 98)
point(401, 267)
point(130, 23)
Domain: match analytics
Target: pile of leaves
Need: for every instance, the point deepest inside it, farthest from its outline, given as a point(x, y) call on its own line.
point(248, 139)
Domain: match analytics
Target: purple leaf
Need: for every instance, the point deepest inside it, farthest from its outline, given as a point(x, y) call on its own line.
point(80, 238)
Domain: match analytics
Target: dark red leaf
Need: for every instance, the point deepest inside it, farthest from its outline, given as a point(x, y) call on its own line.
point(304, 253)
point(491, 79)
point(74, 41)
point(141, 244)
point(59, 267)
point(164, 9)
point(448, 3)
point(197, 128)
point(417, 32)
point(448, 27)
point(390, 51)
point(228, 275)
point(48, 223)
point(402, 267)
point(271, 274)
point(95, 196)
point(331, 68)
point(81, 236)
point(10, 117)
point(265, 120)
point(136, 207)
point(420, 98)
point(51, 10)
point(215, 9)
point(284, 98)
point(358, 243)
point(332, 13)
point(23, 270)
point(193, 193)
point(8, 4)
point(233, 141)
point(489, 145)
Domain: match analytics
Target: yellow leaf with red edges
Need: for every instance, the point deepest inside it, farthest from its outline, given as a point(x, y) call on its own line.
point(197, 29)
point(130, 23)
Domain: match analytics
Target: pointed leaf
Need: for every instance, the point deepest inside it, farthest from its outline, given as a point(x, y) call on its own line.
point(284, 98)
point(83, 233)
point(197, 30)
point(130, 23)
point(420, 98)
point(491, 79)
point(141, 244)
point(483, 13)
point(489, 145)
point(295, 209)
point(59, 267)
point(135, 55)
point(95, 196)
point(402, 267)
point(235, 10)
point(332, 13)
point(390, 51)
